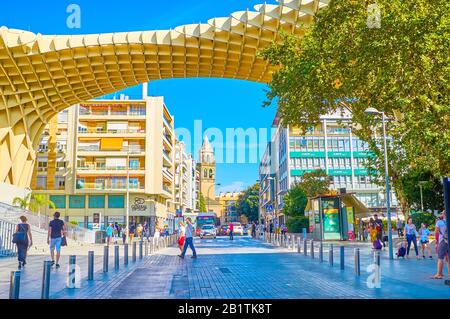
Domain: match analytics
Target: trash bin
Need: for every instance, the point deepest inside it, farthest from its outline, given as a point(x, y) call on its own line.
point(100, 237)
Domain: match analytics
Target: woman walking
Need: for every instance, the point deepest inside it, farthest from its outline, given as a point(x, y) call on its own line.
point(411, 236)
point(25, 241)
point(181, 235)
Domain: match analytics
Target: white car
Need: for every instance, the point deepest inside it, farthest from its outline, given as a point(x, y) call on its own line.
point(208, 231)
point(238, 229)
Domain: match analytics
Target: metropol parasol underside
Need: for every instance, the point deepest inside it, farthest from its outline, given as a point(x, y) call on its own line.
point(41, 75)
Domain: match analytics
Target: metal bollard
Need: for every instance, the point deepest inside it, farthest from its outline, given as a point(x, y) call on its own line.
point(140, 250)
point(342, 253)
point(116, 258)
point(133, 252)
point(105, 258)
point(321, 252)
point(71, 273)
point(90, 265)
point(312, 249)
point(357, 262)
point(125, 254)
point(305, 247)
point(299, 245)
point(146, 248)
point(14, 285)
point(331, 255)
point(45, 292)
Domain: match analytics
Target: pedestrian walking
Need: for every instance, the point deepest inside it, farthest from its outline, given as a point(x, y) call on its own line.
point(231, 228)
point(411, 236)
point(139, 231)
point(378, 225)
point(424, 232)
point(56, 232)
point(109, 233)
point(181, 235)
point(189, 239)
point(124, 233)
point(441, 229)
point(254, 230)
point(146, 230)
point(23, 240)
point(157, 234)
point(131, 232)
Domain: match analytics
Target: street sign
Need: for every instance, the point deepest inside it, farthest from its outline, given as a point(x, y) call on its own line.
point(269, 208)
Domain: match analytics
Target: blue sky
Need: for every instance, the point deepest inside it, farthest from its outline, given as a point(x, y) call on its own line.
point(218, 103)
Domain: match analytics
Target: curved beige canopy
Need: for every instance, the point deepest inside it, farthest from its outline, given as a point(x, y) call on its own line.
point(41, 75)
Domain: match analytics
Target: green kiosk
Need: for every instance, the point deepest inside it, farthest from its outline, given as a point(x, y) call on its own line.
point(335, 217)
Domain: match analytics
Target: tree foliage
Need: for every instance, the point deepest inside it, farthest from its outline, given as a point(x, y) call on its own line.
point(202, 203)
point(401, 68)
point(295, 201)
point(248, 203)
point(23, 203)
point(315, 183)
point(296, 224)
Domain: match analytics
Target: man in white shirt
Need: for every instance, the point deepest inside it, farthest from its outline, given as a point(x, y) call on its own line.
point(189, 240)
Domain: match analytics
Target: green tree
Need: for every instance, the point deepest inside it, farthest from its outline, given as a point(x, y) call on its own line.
point(248, 203)
point(432, 190)
point(315, 183)
point(296, 224)
point(295, 201)
point(202, 203)
point(23, 203)
point(401, 68)
point(38, 201)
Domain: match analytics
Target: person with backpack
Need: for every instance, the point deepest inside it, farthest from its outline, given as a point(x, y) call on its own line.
point(23, 240)
point(378, 225)
point(441, 228)
point(411, 236)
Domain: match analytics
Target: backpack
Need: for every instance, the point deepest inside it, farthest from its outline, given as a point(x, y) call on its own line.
point(377, 245)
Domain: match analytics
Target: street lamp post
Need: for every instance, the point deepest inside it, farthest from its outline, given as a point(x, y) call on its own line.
point(127, 205)
point(421, 183)
point(373, 111)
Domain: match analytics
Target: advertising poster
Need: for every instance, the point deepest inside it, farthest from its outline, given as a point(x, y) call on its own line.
point(331, 224)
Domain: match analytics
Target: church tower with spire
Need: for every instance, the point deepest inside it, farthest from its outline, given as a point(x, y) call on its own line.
point(207, 170)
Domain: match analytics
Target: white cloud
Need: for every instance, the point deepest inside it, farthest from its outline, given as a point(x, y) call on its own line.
point(235, 186)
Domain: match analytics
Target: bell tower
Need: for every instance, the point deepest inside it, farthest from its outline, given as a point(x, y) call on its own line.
point(207, 171)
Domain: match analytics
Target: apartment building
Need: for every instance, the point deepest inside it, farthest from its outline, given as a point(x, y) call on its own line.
point(184, 180)
point(228, 206)
point(87, 155)
point(330, 146)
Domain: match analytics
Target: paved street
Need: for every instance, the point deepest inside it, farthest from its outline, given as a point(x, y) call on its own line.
point(244, 268)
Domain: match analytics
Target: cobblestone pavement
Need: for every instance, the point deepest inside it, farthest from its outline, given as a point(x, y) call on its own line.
point(246, 268)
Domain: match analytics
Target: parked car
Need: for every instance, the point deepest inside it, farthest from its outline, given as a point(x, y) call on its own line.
point(238, 229)
point(223, 230)
point(208, 231)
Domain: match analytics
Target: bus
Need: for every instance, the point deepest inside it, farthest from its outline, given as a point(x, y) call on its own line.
point(204, 219)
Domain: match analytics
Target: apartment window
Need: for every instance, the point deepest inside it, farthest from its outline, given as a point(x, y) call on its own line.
point(116, 201)
point(59, 201)
point(42, 164)
point(134, 163)
point(77, 201)
point(134, 182)
point(41, 181)
point(60, 182)
point(96, 201)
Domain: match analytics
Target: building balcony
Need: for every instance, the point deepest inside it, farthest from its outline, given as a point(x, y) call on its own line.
point(124, 151)
point(166, 122)
point(110, 170)
point(167, 157)
point(113, 133)
point(168, 174)
point(89, 114)
point(166, 191)
point(107, 185)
